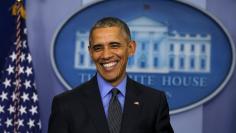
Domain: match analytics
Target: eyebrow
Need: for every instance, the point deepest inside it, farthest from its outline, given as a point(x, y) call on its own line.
point(114, 43)
point(96, 45)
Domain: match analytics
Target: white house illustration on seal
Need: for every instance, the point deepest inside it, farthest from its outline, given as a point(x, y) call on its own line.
point(159, 50)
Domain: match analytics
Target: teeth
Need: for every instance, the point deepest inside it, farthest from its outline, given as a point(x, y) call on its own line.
point(109, 64)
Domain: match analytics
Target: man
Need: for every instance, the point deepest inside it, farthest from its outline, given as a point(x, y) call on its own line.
point(110, 102)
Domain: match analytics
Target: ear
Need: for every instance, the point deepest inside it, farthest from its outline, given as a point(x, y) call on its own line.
point(90, 50)
point(132, 47)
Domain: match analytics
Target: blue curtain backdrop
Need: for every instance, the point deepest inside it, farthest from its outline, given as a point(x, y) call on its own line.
point(6, 29)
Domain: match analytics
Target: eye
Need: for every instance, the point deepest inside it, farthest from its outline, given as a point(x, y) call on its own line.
point(115, 45)
point(97, 48)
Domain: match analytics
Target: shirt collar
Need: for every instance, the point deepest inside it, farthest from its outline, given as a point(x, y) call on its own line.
point(105, 87)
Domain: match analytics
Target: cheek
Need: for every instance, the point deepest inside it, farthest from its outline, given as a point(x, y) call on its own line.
point(124, 58)
point(122, 53)
point(95, 57)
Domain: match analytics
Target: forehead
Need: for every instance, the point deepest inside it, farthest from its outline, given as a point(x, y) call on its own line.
point(108, 32)
point(102, 30)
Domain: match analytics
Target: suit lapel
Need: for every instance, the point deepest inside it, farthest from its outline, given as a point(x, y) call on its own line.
point(132, 106)
point(94, 105)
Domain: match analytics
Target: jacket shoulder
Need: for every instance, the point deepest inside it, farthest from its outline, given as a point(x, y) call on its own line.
point(73, 94)
point(146, 89)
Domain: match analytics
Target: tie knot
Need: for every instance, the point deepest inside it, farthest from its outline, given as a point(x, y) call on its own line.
point(115, 92)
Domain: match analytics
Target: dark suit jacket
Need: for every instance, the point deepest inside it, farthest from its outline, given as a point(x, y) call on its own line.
point(81, 111)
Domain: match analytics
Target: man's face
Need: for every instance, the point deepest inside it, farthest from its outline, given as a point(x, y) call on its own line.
point(110, 49)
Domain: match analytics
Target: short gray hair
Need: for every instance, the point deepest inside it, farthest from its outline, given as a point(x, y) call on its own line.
point(111, 22)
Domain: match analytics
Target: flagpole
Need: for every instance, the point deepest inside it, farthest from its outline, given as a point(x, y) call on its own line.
point(17, 75)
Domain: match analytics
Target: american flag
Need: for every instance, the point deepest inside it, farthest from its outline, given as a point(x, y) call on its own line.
point(19, 108)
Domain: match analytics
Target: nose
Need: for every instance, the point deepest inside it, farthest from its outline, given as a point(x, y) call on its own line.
point(107, 53)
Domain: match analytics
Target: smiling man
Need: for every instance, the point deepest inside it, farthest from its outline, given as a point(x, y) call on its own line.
point(110, 102)
point(110, 48)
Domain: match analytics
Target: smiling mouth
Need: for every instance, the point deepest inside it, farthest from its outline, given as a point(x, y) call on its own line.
point(110, 65)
